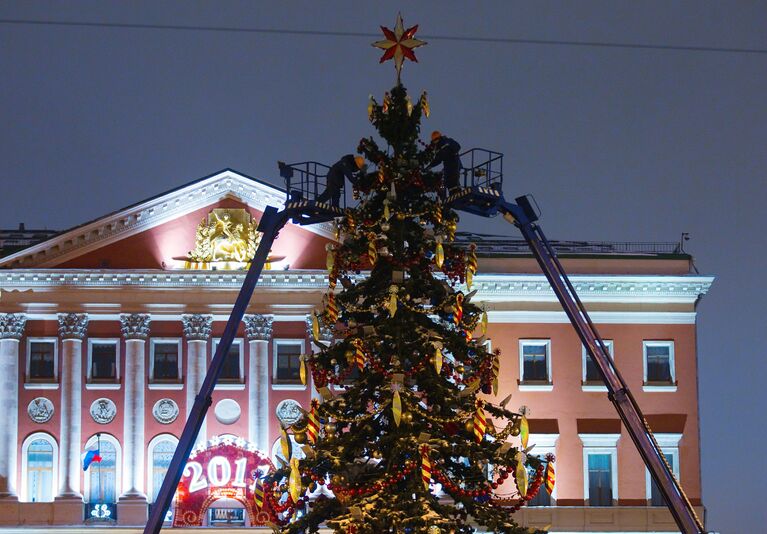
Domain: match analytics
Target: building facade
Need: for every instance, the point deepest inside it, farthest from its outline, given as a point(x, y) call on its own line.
point(106, 331)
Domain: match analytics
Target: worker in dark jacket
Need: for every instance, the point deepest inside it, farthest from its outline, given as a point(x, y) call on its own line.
point(349, 166)
point(446, 152)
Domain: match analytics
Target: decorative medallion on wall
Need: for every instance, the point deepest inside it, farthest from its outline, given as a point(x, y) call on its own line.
point(103, 411)
point(289, 412)
point(165, 411)
point(227, 411)
point(40, 410)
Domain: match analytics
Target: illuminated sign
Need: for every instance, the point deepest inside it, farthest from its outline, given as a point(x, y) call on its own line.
point(226, 468)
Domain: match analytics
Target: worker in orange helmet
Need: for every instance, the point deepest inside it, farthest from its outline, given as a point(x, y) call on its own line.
point(349, 166)
point(446, 152)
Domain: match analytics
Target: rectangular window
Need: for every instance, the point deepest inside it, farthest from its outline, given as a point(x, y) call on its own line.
point(42, 361)
point(535, 362)
point(287, 355)
point(656, 497)
point(231, 369)
point(103, 360)
point(659, 362)
point(165, 360)
point(165, 364)
point(600, 479)
point(590, 371)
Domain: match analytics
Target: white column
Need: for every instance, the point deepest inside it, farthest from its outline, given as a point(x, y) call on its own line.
point(135, 330)
point(258, 329)
point(11, 331)
point(197, 329)
point(72, 329)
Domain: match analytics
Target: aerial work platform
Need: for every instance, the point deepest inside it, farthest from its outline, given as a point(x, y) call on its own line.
point(481, 183)
point(305, 182)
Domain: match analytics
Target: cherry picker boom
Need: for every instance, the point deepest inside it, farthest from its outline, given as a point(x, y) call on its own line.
point(484, 199)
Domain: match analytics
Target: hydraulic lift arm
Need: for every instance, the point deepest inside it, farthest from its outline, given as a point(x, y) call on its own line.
point(523, 216)
point(270, 225)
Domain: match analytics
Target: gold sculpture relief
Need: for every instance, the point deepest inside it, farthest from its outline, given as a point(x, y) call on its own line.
point(226, 239)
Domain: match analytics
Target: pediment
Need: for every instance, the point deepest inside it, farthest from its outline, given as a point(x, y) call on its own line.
point(159, 232)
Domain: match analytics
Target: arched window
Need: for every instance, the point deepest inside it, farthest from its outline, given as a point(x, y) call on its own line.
point(39, 462)
point(102, 478)
point(160, 453)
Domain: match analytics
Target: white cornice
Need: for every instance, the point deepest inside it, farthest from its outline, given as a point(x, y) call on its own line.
point(594, 288)
point(490, 288)
point(151, 213)
point(599, 317)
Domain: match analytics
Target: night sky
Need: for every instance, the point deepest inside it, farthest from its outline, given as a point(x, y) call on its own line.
point(616, 144)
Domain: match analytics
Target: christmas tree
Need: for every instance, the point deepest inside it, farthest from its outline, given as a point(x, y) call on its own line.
point(410, 441)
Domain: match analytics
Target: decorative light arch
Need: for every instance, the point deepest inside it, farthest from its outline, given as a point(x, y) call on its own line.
point(108, 438)
point(25, 462)
point(159, 438)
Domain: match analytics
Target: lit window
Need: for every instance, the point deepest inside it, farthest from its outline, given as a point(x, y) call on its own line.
point(103, 360)
point(659, 364)
point(544, 444)
point(600, 480)
point(592, 380)
point(535, 364)
point(231, 372)
point(165, 364)
point(669, 444)
point(42, 361)
point(600, 468)
point(102, 476)
point(288, 363)
point(39, 460)
point(161, 455)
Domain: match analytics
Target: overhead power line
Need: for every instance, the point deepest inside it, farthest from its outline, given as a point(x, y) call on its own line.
point(433, 37)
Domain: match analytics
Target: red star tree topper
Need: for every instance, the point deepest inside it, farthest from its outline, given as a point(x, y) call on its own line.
point(399, 44)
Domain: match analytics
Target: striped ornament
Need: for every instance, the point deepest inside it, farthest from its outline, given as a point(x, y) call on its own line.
point(480, 423)
point(372, 249)
point(471, 265)
point(496, 372)
point(332, 308)
point(359, 355)
point(425, 467)
point(550, 477)
point(458, 309)
point(313, 423)
point(258, 493)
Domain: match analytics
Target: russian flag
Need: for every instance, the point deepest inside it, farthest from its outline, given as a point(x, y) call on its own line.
point(90, 456)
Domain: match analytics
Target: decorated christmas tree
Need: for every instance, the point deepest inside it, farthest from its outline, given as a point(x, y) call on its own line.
point(405, 437)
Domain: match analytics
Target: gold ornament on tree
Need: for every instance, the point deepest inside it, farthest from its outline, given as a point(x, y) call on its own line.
point(391, 304)
point(295, 480)
point(371, 107)
point(330, 259)
point(315, 327)
point(438, 359)
point(524, 431)
point(302, 369)
point(520, 474)
point(424, 103)
point(397, 384)
point(439, 254)
point(471, 265)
